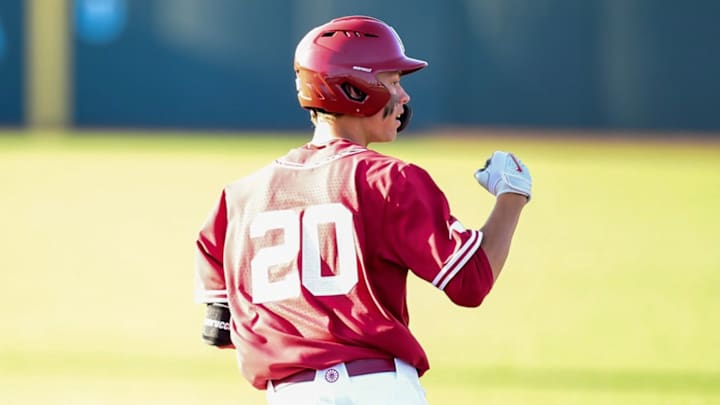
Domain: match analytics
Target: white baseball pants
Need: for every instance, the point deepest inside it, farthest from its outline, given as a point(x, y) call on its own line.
point(333, 386)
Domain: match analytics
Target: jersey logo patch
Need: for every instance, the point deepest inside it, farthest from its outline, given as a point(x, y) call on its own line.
point(332, 375)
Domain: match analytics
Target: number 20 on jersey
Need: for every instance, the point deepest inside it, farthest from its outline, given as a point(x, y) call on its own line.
point(294, 231)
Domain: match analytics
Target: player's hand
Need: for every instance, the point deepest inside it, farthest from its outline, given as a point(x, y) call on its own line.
point(505, 173)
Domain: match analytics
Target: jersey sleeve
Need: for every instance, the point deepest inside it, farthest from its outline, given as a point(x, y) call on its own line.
point(433, 244)
point(209, 275)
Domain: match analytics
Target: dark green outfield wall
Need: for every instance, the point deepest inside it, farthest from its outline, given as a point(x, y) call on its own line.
point(11, 63)
point(605, 64)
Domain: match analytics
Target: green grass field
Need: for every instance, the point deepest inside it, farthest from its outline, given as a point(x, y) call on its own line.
point(611, 294)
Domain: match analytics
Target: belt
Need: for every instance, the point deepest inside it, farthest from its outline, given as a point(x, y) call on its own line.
point(354, 368)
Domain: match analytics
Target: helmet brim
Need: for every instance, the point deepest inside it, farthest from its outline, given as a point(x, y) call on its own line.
point(404, 66)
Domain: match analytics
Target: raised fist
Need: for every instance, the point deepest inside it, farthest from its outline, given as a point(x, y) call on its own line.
point(504, 173)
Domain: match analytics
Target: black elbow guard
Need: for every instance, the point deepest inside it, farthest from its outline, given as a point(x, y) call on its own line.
point(216, 327)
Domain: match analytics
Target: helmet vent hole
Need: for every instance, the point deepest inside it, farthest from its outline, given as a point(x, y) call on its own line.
point(353, 93)
point(348, 34)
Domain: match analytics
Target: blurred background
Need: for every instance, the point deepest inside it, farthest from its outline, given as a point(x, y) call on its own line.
point(227, 64)
point(121, 121)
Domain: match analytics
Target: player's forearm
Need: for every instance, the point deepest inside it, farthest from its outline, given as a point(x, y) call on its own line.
point(500, 228)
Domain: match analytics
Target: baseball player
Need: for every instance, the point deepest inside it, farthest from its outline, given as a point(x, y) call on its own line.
point(303, 264)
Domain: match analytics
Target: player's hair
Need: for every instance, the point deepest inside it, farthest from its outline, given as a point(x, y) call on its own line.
point(317, 115)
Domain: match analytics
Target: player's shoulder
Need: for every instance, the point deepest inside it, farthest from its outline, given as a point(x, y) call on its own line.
point(383, 168)
point(250, 180)
point(378, 160)
point(377, 165)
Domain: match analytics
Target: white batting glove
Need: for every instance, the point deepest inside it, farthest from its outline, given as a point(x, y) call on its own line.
point(504, 173)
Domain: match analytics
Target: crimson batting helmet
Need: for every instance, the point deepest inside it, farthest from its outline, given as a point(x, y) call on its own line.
point(336, 64)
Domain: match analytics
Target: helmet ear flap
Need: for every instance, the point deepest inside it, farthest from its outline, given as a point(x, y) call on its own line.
point(353, 93)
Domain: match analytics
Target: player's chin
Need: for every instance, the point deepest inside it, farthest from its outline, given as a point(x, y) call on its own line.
point(390, 130)
point(386, 137)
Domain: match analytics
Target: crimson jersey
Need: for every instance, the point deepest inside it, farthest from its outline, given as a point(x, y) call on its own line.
point(312, 254)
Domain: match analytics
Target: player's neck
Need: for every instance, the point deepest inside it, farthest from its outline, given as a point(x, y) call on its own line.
point(326, 132)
